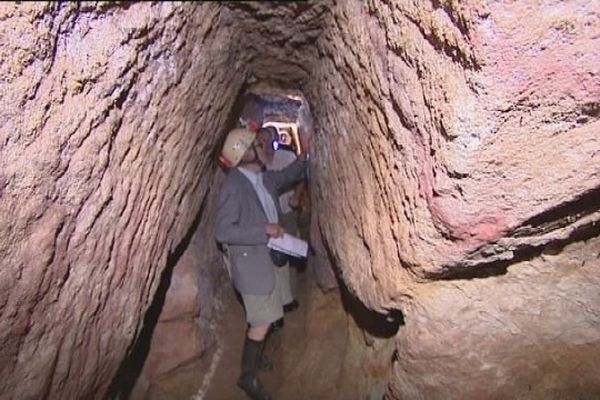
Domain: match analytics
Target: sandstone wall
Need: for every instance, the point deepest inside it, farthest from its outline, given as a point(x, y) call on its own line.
point(456, 143)
point(110, 114)
point(184, 339)
point(529, 334)
point(437, 134)
point(455, 177)
point(278, 39)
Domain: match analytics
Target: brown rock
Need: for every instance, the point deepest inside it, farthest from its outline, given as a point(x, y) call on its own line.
point(176, 343)
point(183, 298)
point(455, 146)
point(185, 332)
point(452, 145)
point(532, 333)
point(103, 143)
point(319, 260)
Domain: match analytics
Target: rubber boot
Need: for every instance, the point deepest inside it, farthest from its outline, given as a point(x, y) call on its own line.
point(291, 306)
point(277, 325)
point(265, 363)
point(251, 361)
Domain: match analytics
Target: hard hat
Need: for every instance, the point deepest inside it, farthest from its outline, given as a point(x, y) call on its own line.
point(237, 142)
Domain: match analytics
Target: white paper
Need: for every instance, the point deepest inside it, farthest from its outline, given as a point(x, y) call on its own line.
point(289, 244)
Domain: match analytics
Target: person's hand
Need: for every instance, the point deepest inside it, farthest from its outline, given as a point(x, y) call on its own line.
point(274, 230)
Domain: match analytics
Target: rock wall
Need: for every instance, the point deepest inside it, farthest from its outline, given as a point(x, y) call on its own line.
point(457, 144)
point(110, 114)
point(184, 338)
point(449, 131)
point(455, 174)
point(278, 39)
point(529, 334)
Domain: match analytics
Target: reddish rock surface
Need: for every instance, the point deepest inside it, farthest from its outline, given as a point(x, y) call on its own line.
point(457, 144)
point(442, 145)
point(106, 156)
point(455, 177)
point(185, 334)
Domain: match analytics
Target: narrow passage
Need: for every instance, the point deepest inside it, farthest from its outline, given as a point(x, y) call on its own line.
point(307, 353)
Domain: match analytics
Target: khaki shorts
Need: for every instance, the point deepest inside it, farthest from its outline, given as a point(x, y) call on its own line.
point(264, 309)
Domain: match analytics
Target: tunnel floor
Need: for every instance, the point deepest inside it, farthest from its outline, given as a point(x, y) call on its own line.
point(307, 353)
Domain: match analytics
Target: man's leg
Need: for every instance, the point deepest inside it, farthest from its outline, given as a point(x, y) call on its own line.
point(260, 312)
point(282, 277)
point(258, 333)
point(254, 345)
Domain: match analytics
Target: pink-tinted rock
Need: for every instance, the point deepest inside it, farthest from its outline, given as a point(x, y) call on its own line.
point(456, 155)
point(454, 142)
point(106, 157)
point(432, 156)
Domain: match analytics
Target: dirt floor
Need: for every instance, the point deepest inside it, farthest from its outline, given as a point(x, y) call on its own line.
point(308, 353)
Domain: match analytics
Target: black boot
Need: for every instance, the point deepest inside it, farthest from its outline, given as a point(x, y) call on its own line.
point(265, 363)
point(277, 325)
point(291, 306)
point(251, 361)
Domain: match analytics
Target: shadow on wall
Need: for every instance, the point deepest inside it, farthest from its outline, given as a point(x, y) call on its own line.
point(130, 369)
point(378, 325)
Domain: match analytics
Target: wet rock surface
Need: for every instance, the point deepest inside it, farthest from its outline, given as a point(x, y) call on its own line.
point(455, 177)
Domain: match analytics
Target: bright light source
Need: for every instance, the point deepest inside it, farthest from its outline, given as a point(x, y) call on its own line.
point(288, 133)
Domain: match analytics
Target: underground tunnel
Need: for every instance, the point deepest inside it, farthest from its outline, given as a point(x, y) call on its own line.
point(454, 197)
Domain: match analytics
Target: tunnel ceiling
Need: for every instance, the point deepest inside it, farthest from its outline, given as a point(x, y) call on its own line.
point(452, 140)
point(278, 38)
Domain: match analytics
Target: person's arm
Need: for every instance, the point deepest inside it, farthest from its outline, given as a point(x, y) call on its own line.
point(290, 174)
point(227, 227)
